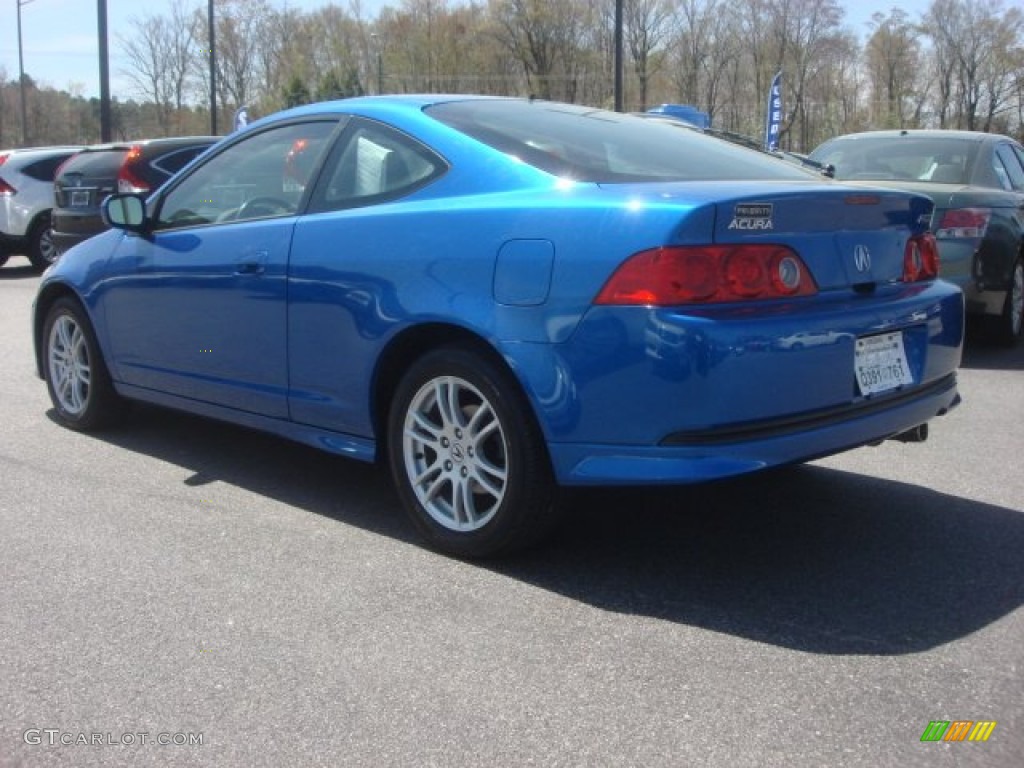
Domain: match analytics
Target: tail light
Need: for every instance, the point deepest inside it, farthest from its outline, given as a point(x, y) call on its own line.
point(127, 178)
point(921, 258)
point(707, 274)
point(7, 189)
point(963, 223)
point(3, 157)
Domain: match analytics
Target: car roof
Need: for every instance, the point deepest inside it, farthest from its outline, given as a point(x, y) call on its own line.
point(935, 133)
point(19, 152)
point(169, 141)
point(378, 105)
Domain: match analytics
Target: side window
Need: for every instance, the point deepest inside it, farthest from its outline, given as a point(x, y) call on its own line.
point(1008, 168)
point(261, 176)
point(374, 163)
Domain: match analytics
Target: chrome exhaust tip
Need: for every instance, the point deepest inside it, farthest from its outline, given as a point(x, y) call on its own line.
point(916, 435)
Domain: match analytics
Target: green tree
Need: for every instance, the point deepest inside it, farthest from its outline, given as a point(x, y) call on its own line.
point(296, 93)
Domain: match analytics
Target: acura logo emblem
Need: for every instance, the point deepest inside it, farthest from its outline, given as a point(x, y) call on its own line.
point(862, 258)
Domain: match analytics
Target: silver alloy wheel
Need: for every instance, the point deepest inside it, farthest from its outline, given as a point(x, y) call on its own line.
point(1017, 298)
point(456, 454)
point(69, 369)
point(47, 249)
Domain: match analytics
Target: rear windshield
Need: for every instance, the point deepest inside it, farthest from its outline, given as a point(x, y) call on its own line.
point(944, 160)
point(586, 144)
point(95, 163)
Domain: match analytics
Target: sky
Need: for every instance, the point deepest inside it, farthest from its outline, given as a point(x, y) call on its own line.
point(60, 48)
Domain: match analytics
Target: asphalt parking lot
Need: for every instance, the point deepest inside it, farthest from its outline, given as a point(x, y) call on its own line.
point(251, 602)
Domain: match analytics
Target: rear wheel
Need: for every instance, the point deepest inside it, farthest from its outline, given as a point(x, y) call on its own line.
point(467, 457)
point(76, 376)
point(41, 250)
point(1010, 321)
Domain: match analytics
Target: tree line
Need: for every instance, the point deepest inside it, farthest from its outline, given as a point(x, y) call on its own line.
point(960, 64)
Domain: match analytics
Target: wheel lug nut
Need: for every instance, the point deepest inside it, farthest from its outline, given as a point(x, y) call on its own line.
point(465, 472)
point(448, 466)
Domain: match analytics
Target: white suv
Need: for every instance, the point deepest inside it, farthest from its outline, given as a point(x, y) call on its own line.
point(26, 199)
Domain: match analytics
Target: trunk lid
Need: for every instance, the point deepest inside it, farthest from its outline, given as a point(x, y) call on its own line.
point(845, 235)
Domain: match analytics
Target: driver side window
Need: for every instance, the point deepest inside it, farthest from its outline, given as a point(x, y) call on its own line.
point(263, 175)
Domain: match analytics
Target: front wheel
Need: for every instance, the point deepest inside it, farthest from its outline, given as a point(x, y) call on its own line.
point(1010, 322)
point(467, 457)
point(76, 376)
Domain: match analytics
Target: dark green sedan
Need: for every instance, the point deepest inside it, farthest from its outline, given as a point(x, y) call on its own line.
point(977, 183)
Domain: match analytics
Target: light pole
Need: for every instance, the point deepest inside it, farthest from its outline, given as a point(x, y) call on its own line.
point(106, 129)
point(21, 78)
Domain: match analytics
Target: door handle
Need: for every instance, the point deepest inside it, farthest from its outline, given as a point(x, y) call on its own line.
point(254, 264)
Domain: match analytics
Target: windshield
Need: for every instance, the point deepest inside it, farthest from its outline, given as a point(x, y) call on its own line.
point(936, 159)
point(587, 144)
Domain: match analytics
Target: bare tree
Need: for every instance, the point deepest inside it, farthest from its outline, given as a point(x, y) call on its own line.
point(892, 57)
point(542, 35)
point(647, 24)
point(161, 54)
point(705, 48)
point(977, 57)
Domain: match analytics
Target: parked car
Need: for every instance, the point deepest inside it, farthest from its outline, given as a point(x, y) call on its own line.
point(97, 171)
point(26, 199)
point(977, 183)
point(504, 295)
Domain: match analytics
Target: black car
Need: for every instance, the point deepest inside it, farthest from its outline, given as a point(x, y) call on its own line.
point(977, 183)
point(88, 177)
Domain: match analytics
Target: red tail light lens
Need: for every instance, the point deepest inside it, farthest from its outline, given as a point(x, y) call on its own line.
point(7, 189)
point(3, 157)
point(921, 258)
point(128, 179)
point(707, 274)
point(964, 223)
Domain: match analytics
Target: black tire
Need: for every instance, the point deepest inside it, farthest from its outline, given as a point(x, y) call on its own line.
point(1009, 324)
point(41, 250)
point(472, 472)
point(76, 376)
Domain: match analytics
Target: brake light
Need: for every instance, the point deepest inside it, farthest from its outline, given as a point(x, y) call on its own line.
point(920, 258)
point(127, 178)
point(707, 274)
point(3, 157)
point(964, 223)
point(6, 189)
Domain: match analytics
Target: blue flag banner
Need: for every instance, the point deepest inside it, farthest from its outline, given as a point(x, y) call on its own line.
point(773, 120)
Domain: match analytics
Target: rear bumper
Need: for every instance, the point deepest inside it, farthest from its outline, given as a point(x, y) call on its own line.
point(647, 395)
point(70, 229)
point(703, 459)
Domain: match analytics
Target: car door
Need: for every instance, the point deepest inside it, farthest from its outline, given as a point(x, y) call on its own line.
point(353, 254)
point(1008, 227)
point(198, 309)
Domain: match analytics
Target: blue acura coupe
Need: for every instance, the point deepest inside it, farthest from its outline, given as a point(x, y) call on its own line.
point(501, 296)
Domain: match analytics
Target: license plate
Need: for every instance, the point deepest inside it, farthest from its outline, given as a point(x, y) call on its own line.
point(80, 198)
point(880, 363)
